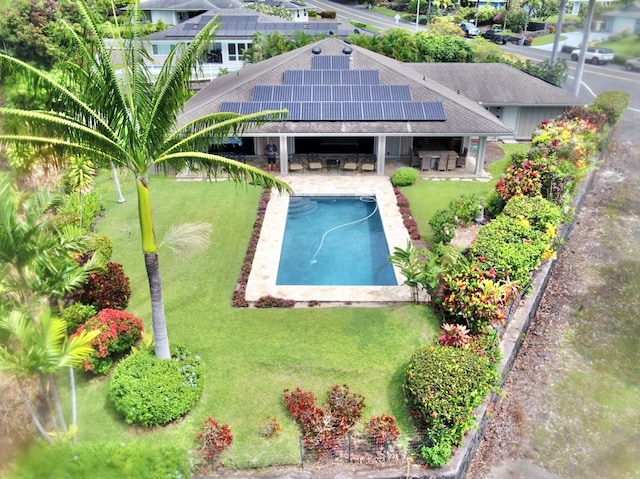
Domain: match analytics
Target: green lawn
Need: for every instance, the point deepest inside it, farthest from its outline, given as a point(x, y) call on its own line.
point(629, 46)
point(546, 39)
point(252, 355)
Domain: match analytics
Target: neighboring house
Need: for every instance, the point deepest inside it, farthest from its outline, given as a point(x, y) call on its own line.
point(576, 4)
point(626, 18)
point(520, 100)
point(343, 98)
point(299, 10)
point(235, 34)
point(173, 12)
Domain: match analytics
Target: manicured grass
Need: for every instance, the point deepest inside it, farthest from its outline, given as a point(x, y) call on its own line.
point(629, 46)
point(426, 196)
point(546, 39)
point(250, 355)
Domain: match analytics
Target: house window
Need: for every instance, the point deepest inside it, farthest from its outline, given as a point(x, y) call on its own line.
point(235, 51)
point(155, 49)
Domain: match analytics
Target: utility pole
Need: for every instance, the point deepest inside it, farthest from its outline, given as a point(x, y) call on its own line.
point(583, 48)
point(556, 38)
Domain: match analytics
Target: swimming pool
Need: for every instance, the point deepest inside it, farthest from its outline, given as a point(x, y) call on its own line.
point(334, 240)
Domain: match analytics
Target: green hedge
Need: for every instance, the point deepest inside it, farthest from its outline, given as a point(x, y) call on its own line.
point(151, 392)
point(404, 176)
point(103, 460)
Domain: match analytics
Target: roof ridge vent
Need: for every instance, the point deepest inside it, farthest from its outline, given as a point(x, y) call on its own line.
point(316, 50)
point(347, 50)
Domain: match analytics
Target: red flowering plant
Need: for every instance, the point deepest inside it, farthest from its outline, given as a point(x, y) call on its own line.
point(455, 335)
point(119, 330)
point(215, 438)
point(474, 297)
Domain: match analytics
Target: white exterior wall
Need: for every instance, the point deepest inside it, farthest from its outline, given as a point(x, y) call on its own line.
point(167, 17)
point(299, 15)
point(620, 24)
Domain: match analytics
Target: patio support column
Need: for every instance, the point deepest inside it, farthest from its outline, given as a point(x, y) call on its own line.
point(380, 154)
point(482, 146)
point(284, 154)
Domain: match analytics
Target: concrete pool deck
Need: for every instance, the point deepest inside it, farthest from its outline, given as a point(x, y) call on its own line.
point(262, 280)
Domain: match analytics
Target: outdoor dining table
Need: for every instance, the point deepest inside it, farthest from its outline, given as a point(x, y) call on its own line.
point(430, 159)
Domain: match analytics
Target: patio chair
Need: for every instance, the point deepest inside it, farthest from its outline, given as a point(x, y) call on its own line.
point(451, 161)
point(351, 163)
point(295, 163)
point(462, 159)
point(313, 162)
point(416, 162)
point(440, 162)
point(368, 163)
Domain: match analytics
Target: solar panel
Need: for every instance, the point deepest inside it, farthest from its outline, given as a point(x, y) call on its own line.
point(341, 92)
point(293, 77)
point(371, 111)
point(331, 111)
point(352, 111)
point(332, 77)
point(262, 93)
point(282, 93)
point(320, 93)
point(433, 111)
point(413, 110)
point(330, 62)
point(300, 93)
point(310, 111)
point(393, 111)
point(400, 93)
point(362, 93)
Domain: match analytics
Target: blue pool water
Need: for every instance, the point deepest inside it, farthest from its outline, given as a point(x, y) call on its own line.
point(335, 241)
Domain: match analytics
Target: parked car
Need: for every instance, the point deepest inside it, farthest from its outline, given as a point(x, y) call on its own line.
point(632, 64)
point(469, 29)
point(594, 55)
point(496, 35)
point(520, 40)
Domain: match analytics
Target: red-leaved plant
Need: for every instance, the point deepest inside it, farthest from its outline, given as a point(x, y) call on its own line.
point(322, 428)
point(215, 438)
point(456, 335)
point(119, 330)
point(382, 430)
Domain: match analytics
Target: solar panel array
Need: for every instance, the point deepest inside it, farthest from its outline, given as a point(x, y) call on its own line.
point(344, 111)
point(331, 77)
point(333, 93)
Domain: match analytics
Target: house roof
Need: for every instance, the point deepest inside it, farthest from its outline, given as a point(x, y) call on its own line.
point(187, 5)
point(462, 116)
point(244, 24)
point(632, 10)
point(496, 84)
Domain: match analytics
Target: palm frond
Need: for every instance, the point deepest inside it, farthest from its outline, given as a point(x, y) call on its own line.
point(188, 238)
point(236, 171)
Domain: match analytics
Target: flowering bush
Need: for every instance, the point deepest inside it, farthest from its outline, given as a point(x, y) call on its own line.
point(382, 430)
point(473, 297)
point(321, 428)
point(106, 289)
point(215, 439)
point(119, 331)
point(460, 212)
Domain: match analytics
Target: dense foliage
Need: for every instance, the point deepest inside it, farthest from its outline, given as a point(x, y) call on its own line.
point(459, 212)
point(118, 332)
point(382, 430)
point(151, 392)
point(404, 176)
point(106, 460)
point(110, 288)
point(214, 439)
point(444, 385)
point(76, 315)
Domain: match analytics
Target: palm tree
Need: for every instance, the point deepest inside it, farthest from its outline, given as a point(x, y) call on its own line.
point(40, 348)
point(117, 112)
point(36, 261)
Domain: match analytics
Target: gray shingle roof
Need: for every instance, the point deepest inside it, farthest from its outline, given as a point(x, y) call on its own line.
point(186, 5)
point(496, 84)
point(463, 115)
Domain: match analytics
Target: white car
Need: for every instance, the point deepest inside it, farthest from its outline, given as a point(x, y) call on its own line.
point(594, 55)
point(632, 64)
point(469, 29)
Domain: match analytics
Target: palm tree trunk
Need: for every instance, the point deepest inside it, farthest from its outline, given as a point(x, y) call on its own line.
point(74, 409)
point(116, 181)
point(159, 320)
point(32, 413)
point(150, 248)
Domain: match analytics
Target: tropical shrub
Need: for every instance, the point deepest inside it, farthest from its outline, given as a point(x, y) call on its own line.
point(404, 176)
point(512, 248)
point(321, 428)
point(149, 391)
point(78, 209)
point(119, 331)
point(76, 315)
point(106, 460)
point(443, 386)
point(472, 296)
point(460, 212)
point(382, 430)
point(102, 246)
point(215, 438)
point(540, 213)
point(613, 104)
point(106, 289)
point(437, 455)
point(328, 14)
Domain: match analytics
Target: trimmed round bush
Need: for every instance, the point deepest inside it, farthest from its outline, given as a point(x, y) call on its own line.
point(445, 384)
point(404, 176)
point(76, 315)
point(150, 392)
